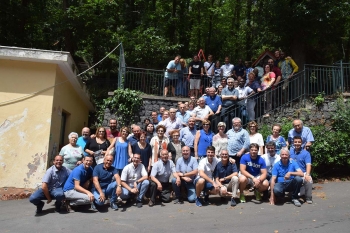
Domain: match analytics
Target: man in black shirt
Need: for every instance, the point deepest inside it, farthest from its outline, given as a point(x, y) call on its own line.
point(196, 71)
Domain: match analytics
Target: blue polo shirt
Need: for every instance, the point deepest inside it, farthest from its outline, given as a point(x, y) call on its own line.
point(222, 171)
point(253, 166)
point(279, 170)
point(184, 118)
point(186, 165)
point(56, 178)
point(105, 177)
point(305, 134)
point(78, 173)
point(302, 157)
point(213, 102)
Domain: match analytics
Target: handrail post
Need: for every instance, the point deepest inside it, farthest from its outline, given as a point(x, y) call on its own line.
point(341, 76)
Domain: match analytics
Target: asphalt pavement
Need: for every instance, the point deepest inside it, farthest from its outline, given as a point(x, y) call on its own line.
point(330, 212)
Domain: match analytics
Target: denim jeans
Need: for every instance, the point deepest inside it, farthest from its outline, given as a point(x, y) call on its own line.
point(142, 187)
point(191, 191)
point(109, 191)
point(39, 195)
point(288, 186)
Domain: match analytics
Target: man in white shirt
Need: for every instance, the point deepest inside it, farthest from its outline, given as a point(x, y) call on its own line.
point(244, 92)
point(204, 181)
point(201, 112)
point(172, 122)
point(227, 68)
point(134, 180)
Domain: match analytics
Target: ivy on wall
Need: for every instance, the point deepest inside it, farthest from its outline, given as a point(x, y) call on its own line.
point(125, 104)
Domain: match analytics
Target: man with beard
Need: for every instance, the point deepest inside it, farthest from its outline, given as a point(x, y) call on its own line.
point(84, 138)
point(51, 187)
point(286, 177)
point(112, 132)
point(160, 174)
point(238, 140)
point(104, 186)
point(187, 134)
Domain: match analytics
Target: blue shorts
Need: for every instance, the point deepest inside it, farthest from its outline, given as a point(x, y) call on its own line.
point(207, 186)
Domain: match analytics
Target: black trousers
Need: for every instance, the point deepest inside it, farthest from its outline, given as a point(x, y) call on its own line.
point(164, 194)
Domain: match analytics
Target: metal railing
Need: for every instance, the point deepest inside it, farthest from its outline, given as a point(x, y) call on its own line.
point(148, 81)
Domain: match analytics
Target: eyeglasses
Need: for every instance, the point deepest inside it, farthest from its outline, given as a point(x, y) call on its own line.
point(205, 124)
point(224, 155)
point(221, 126)
point(176, 135)
point(160, 131)
point(229, 82)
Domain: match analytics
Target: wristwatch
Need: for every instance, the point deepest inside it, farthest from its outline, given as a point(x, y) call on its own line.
point(119, 185)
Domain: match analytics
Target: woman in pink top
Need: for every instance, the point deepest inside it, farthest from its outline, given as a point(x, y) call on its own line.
point(266, 82)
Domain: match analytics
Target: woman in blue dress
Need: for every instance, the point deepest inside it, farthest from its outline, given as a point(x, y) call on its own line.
point(123, 153)
point(203, 139)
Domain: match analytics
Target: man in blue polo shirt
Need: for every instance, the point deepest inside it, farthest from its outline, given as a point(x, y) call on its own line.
point(52, 185)
point(303, 158)
point(226, 176)
point(76, 187)
point(214, 103)
point(84, 138)
point(304, 132)
point(183, 115)
point(104, 186)
point(253, 173)
point(286, 177)
point(186, 168)
point(188, 134)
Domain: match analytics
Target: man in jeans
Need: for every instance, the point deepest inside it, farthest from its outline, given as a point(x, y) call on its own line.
point(186, 168)
point(104, 185)
point(52, 185)
point(135, 180)
point(286, 177)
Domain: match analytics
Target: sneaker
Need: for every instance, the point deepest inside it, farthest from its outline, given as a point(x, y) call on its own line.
point(150, 203)
point(93, 207)
point(296, 202)
point(114, 206)
point(69, 208)
point(198, 202)
point(309, 201)
point(139, 204)
point(233, 202)
point(178, 201)
point(119, 200)
point(39, 207)
point(257, 195)
point(242, 198)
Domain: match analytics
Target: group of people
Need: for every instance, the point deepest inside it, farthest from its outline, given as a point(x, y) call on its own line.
point(171, 159)
point(238, 86)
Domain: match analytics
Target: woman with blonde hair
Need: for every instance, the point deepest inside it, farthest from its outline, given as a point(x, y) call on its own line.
point(203, 139)
point(220, 139)
point(256, 137)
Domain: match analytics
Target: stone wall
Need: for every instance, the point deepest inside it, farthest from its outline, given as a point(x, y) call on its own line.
point(306, 110)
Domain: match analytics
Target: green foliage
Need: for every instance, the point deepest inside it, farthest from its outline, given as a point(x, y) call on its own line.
point(341, 115)
point(319, 99)
point(124, 103)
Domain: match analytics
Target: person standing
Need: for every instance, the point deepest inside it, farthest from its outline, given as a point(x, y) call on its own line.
point(196, 71)
point(171, 75)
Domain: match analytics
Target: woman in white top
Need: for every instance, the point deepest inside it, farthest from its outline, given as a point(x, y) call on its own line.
point(256, 137)
point(158, 142)
point(220, 139)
